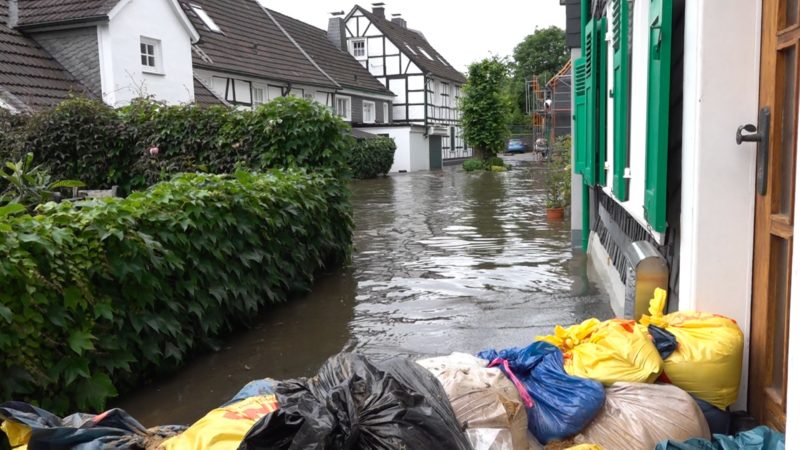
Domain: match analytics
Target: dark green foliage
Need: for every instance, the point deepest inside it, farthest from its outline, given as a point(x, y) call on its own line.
point(86, 140)
point(541, 54)
point(558, 177)
point(30, 185)
point(494, 164)
point(11, 135)
point(99, 295)
point(472, 165)
point(486, 109)
point(370, 158)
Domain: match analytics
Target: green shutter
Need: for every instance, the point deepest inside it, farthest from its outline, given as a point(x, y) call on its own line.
point(620, 25)
point(590, 57)
point(655, 182)
point(602, 102)
point(580, 115)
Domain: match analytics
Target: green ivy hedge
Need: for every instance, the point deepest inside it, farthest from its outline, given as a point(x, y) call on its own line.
point(98, 295)
point(370, 158)
point(86, 140)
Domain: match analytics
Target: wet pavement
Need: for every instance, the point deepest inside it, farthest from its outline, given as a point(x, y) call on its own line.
point(446, 261)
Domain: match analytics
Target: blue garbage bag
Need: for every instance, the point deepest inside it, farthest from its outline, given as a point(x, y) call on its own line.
point(761, 438)
point(563, 405)
point(113, 429)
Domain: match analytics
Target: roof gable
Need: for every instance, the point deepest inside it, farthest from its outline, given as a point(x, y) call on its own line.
point(340, 65)
point(403, 38)
point(251, 43)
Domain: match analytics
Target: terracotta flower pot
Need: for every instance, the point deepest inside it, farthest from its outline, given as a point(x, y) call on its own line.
point(555, 213)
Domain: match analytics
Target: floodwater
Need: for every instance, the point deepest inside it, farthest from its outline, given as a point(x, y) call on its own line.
point(445, 261)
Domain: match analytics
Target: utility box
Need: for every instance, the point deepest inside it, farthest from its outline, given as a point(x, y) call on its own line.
point(647, 271)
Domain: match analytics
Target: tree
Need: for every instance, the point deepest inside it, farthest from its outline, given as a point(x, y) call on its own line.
point(485, 106)
point(542, 53)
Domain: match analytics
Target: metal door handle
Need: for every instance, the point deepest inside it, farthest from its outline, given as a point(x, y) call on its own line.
point(759, 135)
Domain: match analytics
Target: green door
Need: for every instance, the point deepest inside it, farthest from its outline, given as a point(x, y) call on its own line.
point(435, 152)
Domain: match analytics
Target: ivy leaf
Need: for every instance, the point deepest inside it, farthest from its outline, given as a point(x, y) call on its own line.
point(93, 393)
point(76, 367)
point(80, 341)
point(6, 313)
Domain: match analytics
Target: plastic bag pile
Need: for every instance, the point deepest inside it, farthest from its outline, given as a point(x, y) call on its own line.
point(664, 382)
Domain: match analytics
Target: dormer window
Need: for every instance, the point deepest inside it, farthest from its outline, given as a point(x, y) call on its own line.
point(207, 20)
point(150, 53)
point(422, 50)
point(358, 48)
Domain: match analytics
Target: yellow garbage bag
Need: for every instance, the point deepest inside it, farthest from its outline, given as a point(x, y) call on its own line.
point(223, 428)
point(708, 360)
point(17, 433)
point(609, 352)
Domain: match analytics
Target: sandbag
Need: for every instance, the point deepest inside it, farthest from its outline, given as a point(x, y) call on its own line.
point(559, 405)
point(225, 427)
point(609, 352)
point(761, 438)
point(638, 416)
point(484, 401)
point(708, 360)
point(36, 429)
point(354, 403)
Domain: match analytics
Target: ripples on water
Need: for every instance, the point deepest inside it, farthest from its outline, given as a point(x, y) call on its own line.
point(446, 261)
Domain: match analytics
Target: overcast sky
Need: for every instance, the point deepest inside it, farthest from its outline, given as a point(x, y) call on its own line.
point(462, 31)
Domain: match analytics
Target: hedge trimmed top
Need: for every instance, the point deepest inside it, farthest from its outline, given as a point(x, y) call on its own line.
point(87, 140)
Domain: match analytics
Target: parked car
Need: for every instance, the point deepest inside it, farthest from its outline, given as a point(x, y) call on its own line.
point(516, 146)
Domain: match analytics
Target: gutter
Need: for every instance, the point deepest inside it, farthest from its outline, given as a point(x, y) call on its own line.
point(63, 24)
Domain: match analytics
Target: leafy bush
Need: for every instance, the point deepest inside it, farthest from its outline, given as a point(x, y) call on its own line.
point(98, 295)
point(12, 135)
point(486, 107)
point(370, 158)
point(558, 175)
point(493, 164)
point(472, 165)
point(28, 185)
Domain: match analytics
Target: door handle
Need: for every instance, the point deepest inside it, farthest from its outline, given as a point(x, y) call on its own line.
point(759, 135)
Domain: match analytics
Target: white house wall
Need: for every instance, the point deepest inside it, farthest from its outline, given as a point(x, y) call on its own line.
point(721, 85)
point(121, 71)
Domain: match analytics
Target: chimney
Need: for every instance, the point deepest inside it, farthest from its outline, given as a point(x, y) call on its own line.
point(399, 21)
point(379, 9)
point(13, 13)
point(336, 32)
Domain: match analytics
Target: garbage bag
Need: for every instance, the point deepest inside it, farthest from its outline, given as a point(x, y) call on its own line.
point(255, 388)
point(708, 360)
point(638, 416)
point(484, 401)
point(354, 403)
point(558, 405)
point(610, 351)
point(761, 438)
point(225, 427)
point(25, 424)
point(664, 341)
point(719, 421)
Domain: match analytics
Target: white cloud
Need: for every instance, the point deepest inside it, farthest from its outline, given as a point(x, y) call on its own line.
point(461, 31)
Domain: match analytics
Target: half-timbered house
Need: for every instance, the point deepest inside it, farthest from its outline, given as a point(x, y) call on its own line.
point(427, 87)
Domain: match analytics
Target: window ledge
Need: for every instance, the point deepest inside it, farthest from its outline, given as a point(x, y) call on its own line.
point(149, 71)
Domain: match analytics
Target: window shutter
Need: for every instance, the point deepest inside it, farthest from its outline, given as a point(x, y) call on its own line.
point(660, 60)
point(580, 114)
point(602, 102)
point(620, 25)
point(590, 144)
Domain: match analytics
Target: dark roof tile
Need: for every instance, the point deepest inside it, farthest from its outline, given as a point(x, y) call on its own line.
point(402, 37)
point(340, 65)
point(39, 12)
point(204, 96)
point(250, 43)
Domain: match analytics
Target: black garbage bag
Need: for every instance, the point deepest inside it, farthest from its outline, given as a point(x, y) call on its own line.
point(113, 429)
point(665, 342)
point(353, 403)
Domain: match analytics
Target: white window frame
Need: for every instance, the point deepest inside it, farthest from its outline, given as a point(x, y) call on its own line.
point(264, 95)
point(385, 112)
point(207, 20)
point(364, 105)
point(363, 42)
point(348, 110)
point(157, 67)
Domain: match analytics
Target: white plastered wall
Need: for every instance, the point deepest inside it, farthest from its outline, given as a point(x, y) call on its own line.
point(721, 76)
point(122, 77)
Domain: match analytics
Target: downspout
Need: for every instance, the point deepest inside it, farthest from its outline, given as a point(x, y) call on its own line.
point(426, 106)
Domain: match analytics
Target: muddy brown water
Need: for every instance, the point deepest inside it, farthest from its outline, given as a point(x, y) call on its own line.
point(446, 261)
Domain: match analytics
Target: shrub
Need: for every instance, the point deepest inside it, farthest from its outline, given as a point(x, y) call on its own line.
point(12, 135)
point(493, 164)
point(472, 165)
point(558, 175)
point(98, 295)
point(29, 185)
point(370, 158)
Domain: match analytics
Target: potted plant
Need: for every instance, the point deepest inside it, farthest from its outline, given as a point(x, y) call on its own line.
point(558, 180)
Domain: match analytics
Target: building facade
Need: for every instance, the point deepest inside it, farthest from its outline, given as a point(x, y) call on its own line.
point(686, 139)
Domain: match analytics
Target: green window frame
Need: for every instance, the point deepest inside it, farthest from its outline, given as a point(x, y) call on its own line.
point(580, 114)
point(658, 94)
point(602, 105)
point(620, 26)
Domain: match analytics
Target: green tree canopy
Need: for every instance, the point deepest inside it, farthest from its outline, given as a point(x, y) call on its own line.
point(542, 53)
point(486, 109)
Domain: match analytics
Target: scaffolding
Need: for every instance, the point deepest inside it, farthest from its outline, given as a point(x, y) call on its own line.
point(550, 106)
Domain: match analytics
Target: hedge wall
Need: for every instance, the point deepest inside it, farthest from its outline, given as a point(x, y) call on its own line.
point(97, 295)
point(370, 158)
point(89, 141)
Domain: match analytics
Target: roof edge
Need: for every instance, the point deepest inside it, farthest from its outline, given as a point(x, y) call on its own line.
point(216, 68)
point(208, 88)
point(62, 24)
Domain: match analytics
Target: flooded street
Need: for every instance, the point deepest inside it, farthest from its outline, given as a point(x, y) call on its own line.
point(446, 261)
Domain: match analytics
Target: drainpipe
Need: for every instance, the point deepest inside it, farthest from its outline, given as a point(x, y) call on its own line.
point(585, 225)
point(425, 84)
